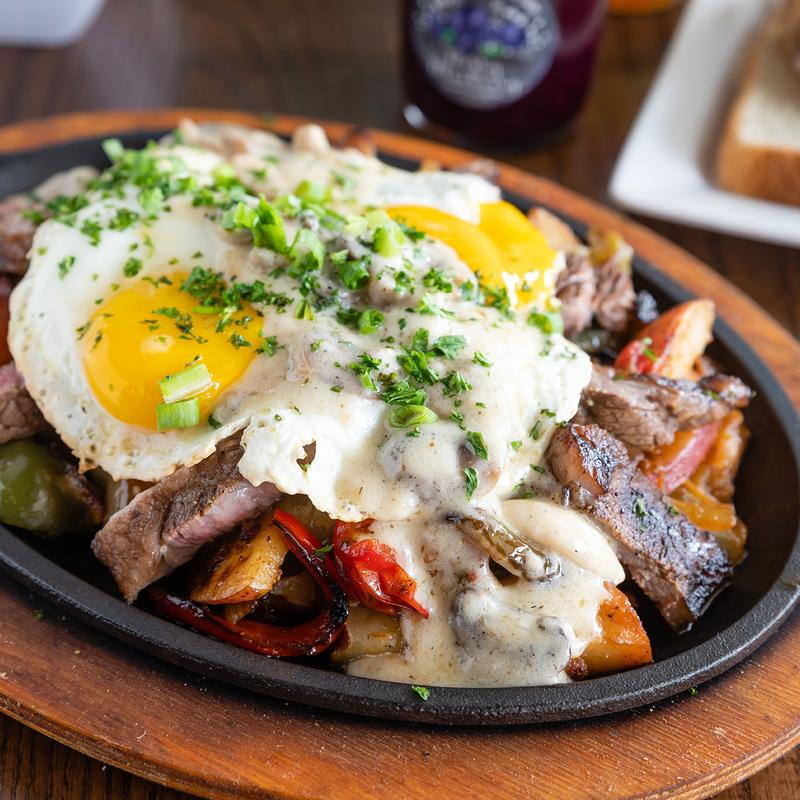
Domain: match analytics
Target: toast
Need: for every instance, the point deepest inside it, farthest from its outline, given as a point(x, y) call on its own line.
point(759, 153)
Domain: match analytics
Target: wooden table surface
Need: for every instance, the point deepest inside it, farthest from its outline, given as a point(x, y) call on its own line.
point(337, 60)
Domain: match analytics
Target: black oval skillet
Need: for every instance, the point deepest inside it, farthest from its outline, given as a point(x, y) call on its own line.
point(764, 590)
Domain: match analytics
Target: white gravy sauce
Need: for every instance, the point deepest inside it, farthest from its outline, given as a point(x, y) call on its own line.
point(307, 399)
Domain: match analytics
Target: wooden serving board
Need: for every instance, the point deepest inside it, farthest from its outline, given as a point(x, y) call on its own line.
point(130, 710)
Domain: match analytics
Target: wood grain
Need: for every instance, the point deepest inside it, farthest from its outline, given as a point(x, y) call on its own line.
point(334, 60)
point(115, 704)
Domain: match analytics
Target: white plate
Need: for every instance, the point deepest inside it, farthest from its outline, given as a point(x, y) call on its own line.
point(665, 167)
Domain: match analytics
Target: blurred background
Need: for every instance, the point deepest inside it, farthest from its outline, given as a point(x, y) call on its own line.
point(552, 87)
point(344, 60)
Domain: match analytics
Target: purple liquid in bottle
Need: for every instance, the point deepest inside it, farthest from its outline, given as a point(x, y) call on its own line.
point(500, 72)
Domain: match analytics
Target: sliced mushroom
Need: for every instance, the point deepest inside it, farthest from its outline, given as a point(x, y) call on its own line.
point(486, 630)
point(506, 547)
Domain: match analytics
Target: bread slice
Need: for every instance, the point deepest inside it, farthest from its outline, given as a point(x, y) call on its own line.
point(759, 154)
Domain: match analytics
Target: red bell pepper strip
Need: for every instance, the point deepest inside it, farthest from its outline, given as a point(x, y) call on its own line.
point(305, 639)
point(371, 572)
point(672, 465)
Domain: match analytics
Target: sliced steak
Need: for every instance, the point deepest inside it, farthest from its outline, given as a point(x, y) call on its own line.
point(575, 288)
point(729, 389)
point(678, 566)
point(165, 525)
point(615, 299)
point(645, 411)
point(16, 234)
point(19, 416)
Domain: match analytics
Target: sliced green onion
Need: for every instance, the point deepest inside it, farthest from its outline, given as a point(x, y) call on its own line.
point(312, 192)
point(410, 416)
point(389, 239)
point(376, 218)
point(307, 244)
point(356, 226)
point(185, 414)
point(187, 383)
point(354, 274)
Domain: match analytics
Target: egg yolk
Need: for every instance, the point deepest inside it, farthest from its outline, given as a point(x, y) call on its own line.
point(504, 247)
point(150, 330)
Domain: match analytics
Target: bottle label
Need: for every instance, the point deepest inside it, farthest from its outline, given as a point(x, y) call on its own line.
point(485, 54)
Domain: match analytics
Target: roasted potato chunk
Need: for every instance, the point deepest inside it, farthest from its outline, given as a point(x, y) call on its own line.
point(318, 522)
point(243, 568)
point(673, 343)
point(623, 643)
point(367, 633)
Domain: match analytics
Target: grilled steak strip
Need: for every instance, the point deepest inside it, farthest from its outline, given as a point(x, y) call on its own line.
point(575, 288)
point(645, 411)
point(679, 567)
point(19, 416)
point(615, 299)
point(165, 525)
point(16, 234)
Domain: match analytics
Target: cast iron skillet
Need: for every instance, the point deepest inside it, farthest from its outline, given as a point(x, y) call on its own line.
point(764, 589)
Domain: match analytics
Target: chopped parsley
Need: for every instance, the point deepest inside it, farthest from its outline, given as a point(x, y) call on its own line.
point(448, 346)
point(403, 394)
point(480, 359)
point(237, 340)
point(427, 306)
point(65, 265)
point(123, 219)
point(470, 481)
point(269, 346)
point(415, 234)
point(415, 363)
point(91, 229)
point(458, 418)
point(478, 445)
point(639, 508)
point(364, 367)
point(133, 266)
point(437, 280)
point(423, 692)
point(455, 383)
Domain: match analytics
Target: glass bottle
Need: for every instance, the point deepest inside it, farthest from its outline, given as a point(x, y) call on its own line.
point(499, 72)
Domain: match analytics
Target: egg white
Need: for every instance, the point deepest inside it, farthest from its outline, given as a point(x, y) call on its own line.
point(47, 311)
